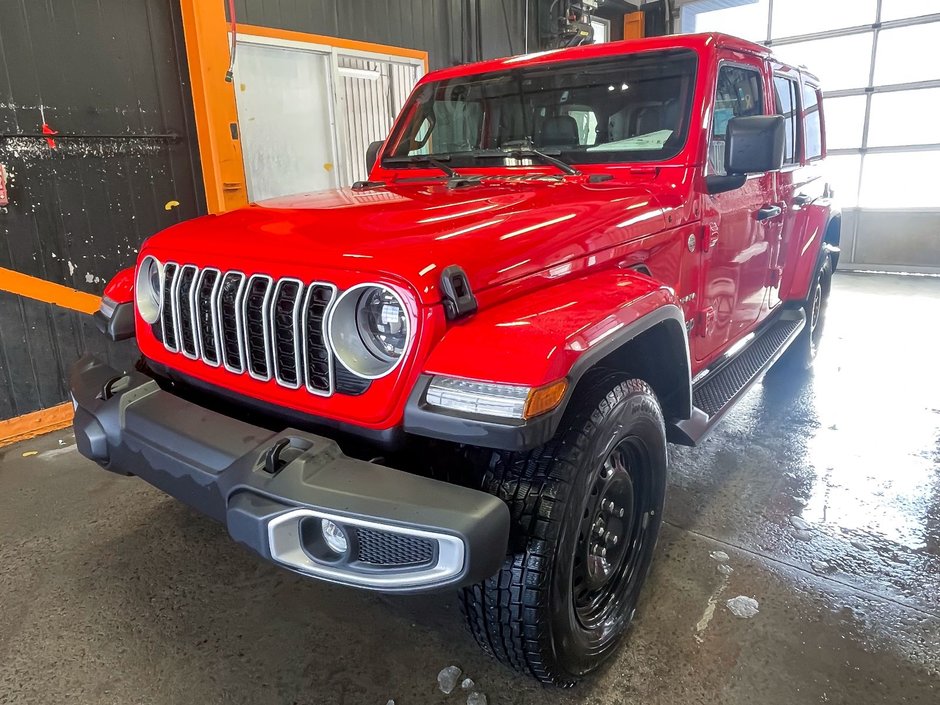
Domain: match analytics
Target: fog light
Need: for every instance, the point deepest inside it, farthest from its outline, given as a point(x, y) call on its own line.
point(334, 536)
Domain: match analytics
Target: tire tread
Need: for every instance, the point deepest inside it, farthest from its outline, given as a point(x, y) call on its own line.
point(507, 614)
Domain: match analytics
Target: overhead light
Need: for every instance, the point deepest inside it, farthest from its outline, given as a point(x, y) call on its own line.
point(624, 86)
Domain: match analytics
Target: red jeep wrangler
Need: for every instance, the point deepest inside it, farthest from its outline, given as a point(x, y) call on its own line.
point(463, 373)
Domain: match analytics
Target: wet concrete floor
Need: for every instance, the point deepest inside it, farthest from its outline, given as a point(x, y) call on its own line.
point(111, 592)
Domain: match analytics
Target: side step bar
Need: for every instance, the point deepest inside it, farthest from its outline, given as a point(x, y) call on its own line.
point(718, 388)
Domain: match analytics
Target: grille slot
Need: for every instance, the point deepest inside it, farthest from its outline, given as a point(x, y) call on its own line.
point(318, 359)
point(207, 315)
point(258, 327)
point(167, 316)
point(230, 321)
point(185, 315)
point(387, 549)
point(285, 326)
point(271, 329)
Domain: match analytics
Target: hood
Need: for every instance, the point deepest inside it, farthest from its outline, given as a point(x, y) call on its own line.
point(497, 231)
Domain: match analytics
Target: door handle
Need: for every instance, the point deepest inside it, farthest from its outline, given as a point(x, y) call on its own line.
point(768, 212)
point(801, 199)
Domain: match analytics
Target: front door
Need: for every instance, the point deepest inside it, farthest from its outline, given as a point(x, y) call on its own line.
point(740, 225)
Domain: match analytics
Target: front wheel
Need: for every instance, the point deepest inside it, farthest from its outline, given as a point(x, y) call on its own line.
point(586, 511)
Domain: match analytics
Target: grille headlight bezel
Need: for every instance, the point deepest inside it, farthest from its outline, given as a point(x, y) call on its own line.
point(349, 341)
point(148, 294)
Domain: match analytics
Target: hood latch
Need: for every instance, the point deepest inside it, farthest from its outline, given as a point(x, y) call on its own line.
point(459, 300)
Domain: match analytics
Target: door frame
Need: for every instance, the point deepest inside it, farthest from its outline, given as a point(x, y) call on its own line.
point(206, 33)
point(309, 48)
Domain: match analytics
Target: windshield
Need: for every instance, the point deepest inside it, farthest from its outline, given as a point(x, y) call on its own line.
point(628, 108)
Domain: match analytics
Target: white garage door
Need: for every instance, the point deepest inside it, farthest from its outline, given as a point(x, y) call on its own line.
point(878, 66)
point(307, 112)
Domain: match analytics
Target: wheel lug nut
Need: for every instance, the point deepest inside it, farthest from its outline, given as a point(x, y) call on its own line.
point(621, 513)
point(611, 506)
point(603, 553)
point(615, 539)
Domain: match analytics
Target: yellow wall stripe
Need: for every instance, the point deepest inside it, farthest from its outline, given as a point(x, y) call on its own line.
point(50, 292)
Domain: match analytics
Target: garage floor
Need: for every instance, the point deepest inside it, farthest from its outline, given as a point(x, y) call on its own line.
point(111, 592)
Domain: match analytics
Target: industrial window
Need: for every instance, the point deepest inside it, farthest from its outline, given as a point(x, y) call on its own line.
point(785, 95)
point(812, 128)
point(738, 94)
point(882, 87)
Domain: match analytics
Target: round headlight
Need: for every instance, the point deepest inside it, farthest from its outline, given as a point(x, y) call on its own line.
point(369, 330)
point(148, 289)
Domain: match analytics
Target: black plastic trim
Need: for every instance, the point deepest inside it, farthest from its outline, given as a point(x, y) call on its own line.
point(694, 430)
point(264, 413)
point(423, 420)
point(121, 325)
point(217, 464)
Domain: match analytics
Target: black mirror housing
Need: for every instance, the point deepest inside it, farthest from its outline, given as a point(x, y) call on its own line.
point(372, 153)
point(754, 144)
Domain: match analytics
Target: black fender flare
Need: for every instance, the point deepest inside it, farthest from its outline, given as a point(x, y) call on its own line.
point(421, 420)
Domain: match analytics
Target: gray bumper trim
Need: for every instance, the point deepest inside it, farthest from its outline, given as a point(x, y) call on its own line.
point(216, 464)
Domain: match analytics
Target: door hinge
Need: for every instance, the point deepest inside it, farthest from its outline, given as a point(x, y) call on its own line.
point(709, 236)
point(706, 321)
point(774, 277)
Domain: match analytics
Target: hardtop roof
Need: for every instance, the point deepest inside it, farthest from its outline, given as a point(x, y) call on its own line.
point(700, 43)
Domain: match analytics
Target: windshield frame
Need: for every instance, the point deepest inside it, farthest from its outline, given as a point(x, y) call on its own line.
point(575, 157)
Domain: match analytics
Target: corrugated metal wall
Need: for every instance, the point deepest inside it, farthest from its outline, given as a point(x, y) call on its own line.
point(446, 29)
point(371, 104)
point(78, 213)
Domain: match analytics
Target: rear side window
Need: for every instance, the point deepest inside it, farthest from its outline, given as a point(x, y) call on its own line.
point(812, 124)
point(738, 94)
point(785, 91)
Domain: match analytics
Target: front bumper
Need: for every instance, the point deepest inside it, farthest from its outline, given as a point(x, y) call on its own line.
point(405, 533)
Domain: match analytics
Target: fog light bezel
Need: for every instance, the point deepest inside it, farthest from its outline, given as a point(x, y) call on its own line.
point(286, 547)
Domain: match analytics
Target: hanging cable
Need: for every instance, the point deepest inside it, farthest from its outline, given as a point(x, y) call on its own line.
point(230, 74)
point(508, 30)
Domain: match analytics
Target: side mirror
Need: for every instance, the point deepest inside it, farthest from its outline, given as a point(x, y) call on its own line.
point(754, 145)
point(372, 153)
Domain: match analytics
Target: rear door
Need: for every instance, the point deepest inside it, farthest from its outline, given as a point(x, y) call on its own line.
point(736, 245)
point(810, 199)
point(790, 179)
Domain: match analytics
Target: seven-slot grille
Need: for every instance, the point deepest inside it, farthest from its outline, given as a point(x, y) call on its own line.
point(269, 329)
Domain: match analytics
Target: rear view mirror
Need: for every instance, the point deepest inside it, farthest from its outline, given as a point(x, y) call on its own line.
point(372, 153)
point(754, 144)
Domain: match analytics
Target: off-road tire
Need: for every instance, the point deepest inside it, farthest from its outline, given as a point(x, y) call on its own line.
point(801, 354)
point(527, 615)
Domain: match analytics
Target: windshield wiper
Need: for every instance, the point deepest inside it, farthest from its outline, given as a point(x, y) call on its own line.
point(523, 149)
point(437, 163)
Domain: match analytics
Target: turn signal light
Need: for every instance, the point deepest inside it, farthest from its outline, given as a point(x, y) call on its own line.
point(507, 401)
point(541, 400)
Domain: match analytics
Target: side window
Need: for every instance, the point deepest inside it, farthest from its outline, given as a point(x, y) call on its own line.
point(738, 94)
point(812, 127)
point(786, 104)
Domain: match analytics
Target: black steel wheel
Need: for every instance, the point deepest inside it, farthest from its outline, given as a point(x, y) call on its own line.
point(613, 532)
point(586, 509)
